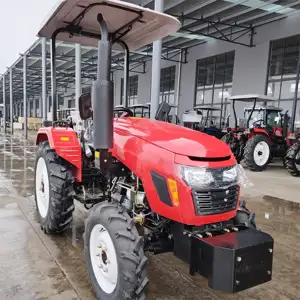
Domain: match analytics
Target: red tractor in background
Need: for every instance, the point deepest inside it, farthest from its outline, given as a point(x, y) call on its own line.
point(262, 134)
point(151, 186)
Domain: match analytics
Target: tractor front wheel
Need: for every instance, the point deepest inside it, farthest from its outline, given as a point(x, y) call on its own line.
point(244, 216)
point(257, 153)
point(53, 190)
point(292, 160)
point(114, 254)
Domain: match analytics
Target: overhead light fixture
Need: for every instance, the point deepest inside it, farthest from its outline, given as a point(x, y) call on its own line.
point(191, 36)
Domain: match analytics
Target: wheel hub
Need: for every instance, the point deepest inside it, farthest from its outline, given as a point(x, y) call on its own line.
point(261, 153)
point(42, 187)
point(103, 259)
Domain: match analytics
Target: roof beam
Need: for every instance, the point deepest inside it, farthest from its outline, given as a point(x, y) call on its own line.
point(200, 27)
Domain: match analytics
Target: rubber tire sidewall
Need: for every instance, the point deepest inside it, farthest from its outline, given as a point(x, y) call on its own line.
point(93, 220)
point(249, 152)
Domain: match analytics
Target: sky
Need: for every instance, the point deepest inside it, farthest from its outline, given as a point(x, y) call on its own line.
point(20, 21)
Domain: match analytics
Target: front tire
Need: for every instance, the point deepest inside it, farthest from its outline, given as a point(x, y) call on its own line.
point(114, 254)
point(244, 216)
point(292, 155)
point(257, 153)
point(53, 190)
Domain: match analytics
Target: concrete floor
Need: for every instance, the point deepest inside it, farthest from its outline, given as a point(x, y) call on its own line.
point(35, 266)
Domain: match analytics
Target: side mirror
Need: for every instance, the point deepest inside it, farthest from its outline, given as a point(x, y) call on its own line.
point(85, 106)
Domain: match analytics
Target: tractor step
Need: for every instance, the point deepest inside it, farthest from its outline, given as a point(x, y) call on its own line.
point(233, 261)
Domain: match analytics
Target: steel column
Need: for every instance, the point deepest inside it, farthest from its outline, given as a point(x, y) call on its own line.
point(77, 75)
point(156, 62)
point(43, 103)
point(11, 102)
point(126, 74)
point(4, 107)
point(177, 97)
point(53, 80)
point(25, 94)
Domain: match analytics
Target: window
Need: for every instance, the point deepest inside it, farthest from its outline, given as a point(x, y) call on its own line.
point(167, 85)
point(283, 72)
point(132, 90)
point(71, 103)
point(214, 80)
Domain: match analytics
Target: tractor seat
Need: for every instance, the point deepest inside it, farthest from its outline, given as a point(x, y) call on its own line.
point(47, 123)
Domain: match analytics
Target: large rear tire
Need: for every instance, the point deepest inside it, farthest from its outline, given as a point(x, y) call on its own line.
point(226, 138)
point(114, 254)
point(257, 153)
point(292, 155)
point(53, 190)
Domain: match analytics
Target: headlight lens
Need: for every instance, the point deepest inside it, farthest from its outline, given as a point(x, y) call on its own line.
point(197, 176)
point(230, 175)
point(209, 177)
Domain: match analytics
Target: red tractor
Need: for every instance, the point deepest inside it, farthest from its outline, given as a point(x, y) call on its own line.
point(152, 186)
point(261, 135)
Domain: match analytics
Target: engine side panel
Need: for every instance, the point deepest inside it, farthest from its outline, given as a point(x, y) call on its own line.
point(143, 158)
point(65, 143)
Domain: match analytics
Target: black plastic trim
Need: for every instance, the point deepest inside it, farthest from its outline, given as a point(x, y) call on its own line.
point(161, 187)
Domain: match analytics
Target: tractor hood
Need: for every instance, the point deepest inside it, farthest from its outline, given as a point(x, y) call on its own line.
point(174, 138)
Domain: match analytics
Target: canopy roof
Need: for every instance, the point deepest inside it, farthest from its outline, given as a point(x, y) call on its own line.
point(271, 108)
point(207, 107)
point(137, 26)
point(252, 97)
point(139, 105)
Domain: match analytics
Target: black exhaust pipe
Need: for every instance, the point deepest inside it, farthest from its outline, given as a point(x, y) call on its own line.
point(102, 93)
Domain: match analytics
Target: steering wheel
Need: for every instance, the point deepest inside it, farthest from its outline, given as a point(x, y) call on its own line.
point(257, 125)
point(126, 112)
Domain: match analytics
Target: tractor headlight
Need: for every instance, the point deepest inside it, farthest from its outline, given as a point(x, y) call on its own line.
point(230, 174)
point(209, 177)
point(195, 177)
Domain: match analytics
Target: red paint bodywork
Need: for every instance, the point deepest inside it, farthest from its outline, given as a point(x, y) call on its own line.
point(145, 145)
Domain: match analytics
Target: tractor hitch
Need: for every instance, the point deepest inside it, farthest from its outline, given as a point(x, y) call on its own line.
point(233, 259)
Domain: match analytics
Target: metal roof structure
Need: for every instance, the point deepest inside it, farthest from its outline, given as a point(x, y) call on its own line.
point(233, 21)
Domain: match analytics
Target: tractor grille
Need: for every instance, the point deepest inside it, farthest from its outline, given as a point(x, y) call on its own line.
point(215, 201)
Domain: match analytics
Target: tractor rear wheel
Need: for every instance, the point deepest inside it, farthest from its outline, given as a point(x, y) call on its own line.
point(53, 190)
point(257, 153)
point(226, 138)
point(291, 160)
point(114, 254)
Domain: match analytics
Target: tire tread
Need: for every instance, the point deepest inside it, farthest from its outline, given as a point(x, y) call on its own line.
point(61, 205)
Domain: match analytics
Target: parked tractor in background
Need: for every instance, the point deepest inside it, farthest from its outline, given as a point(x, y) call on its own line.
point(151, 186)
point(202, 118)
point(262, 135)
point(141, 110)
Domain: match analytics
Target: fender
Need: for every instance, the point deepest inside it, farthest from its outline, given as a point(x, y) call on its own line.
point(262, 131)
point(65, 143)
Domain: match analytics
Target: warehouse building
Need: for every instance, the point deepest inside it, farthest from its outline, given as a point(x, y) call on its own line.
point(223, 48)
